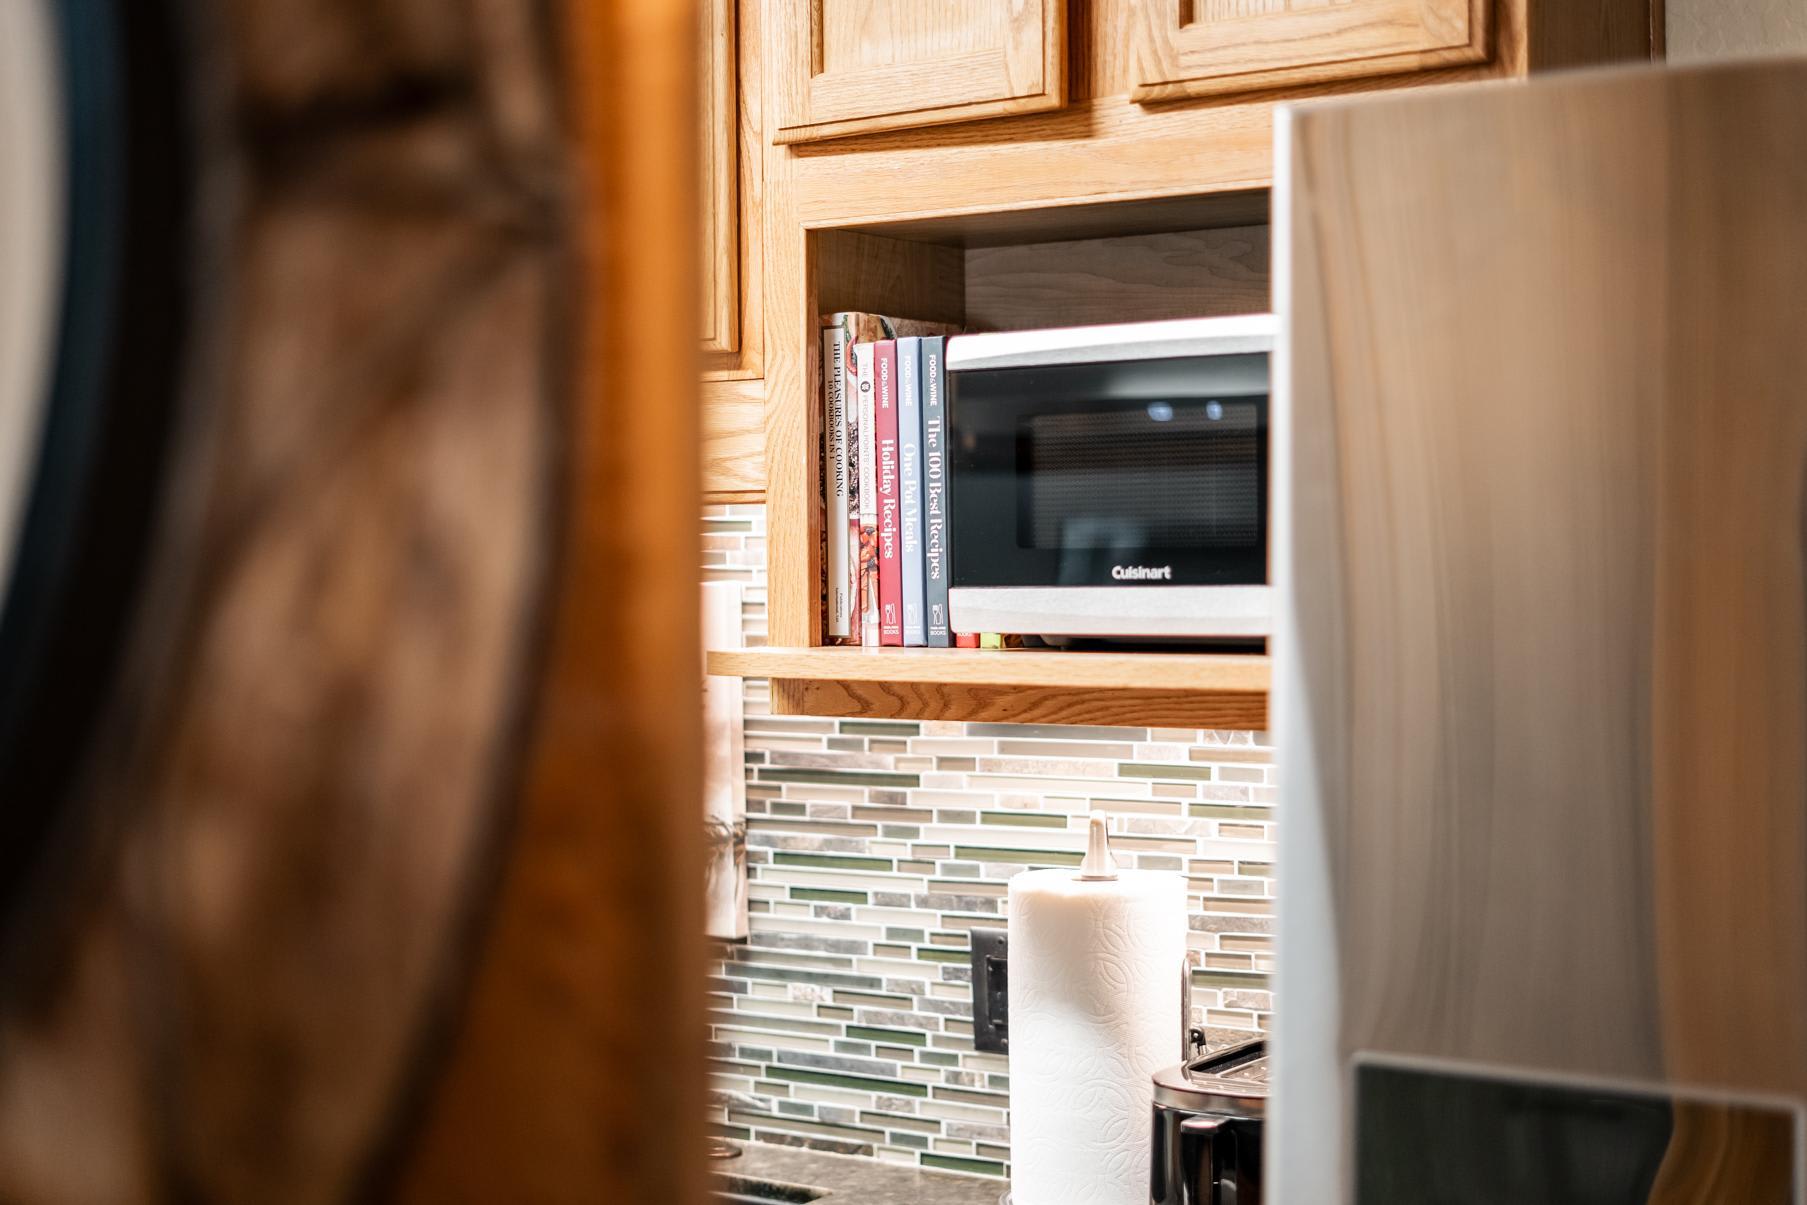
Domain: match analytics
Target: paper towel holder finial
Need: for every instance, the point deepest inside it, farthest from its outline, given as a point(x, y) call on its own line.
point(1099, 865)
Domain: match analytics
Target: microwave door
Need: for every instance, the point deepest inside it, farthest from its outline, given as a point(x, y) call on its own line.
point(1124, 474)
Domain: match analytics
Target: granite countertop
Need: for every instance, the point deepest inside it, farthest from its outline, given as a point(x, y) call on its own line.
point(853, 1181)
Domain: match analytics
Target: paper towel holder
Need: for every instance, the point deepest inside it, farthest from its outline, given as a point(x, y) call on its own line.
point(1099, 864)
point(1192, 1038)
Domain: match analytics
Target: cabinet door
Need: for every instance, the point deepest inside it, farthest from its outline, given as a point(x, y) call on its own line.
point(1208, 47)
point(720, 199)
point(854, 66)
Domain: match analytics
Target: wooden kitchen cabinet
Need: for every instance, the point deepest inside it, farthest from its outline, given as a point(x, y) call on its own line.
point(729, 187)
point(732, 188)
point(719, 184)
point(1189, 48)
point(846, 67)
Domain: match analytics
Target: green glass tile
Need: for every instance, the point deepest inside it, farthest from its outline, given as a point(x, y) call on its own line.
point(849, 778)
point(829, 896)
point(858, 1082)
point(871, 1034)
point(914, 1141)
point(926, 954)
point(831, 861)
point(1027, 857)
point(937, 1058)
point(870, 1000)
point(1130, 769)
point(1059, 732)
point(899, 1121)
point(1230, 811)
point(914, 937)
point(1024, 819)
point(815, 827)
point(953, 1163)
point(1229, 979)
point(882, 727)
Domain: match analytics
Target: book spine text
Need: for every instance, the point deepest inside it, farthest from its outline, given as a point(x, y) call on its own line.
point(890, 581)
point(860, 382)
point(909, 474)
point(835, 486)
point(934, 491)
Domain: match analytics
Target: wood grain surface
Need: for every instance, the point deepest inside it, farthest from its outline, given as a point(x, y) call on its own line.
point(744, 362)
point(1179, 690)
point(1192, 48)
point(386, 881)
point(1239, 672)
point(1130, 278)
point(719, 146)
point(1543, 678)
point(843, 67)
point(975, 703)
point(733, 440)
point(579, 1072)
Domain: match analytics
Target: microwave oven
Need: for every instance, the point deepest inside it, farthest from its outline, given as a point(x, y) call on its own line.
point(1111, 481)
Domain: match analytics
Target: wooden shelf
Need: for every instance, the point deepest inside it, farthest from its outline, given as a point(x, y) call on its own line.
point(1040, 686)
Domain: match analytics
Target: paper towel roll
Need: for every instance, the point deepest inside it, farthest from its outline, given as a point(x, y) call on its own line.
point(1094, 1012)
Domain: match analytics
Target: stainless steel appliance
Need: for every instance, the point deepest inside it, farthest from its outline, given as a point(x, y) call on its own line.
point(1541, 662)
point(1209, 1118)
point(1111, 481)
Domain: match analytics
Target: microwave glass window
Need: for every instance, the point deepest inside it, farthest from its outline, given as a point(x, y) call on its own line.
point(1140, 473)
point(1168, 474)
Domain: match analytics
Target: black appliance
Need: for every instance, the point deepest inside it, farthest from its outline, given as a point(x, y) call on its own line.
point(1209, 1113)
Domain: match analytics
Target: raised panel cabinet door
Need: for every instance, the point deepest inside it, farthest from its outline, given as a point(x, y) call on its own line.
point(719, 192)
point(856, 66)
point(1189, 48)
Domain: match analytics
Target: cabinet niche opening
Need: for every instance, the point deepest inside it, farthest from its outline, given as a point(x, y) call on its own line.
point(1173, 257)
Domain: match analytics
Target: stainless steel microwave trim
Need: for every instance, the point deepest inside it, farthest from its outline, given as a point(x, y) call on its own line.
point(1240, 334)
point(1196, 612)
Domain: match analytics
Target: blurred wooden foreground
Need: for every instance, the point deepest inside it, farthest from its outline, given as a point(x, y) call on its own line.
point(390, 886)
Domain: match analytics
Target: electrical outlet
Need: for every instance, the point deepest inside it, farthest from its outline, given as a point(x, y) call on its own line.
point(991, 990)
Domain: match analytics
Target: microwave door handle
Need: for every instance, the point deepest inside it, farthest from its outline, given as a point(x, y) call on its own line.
point(1198, 1149)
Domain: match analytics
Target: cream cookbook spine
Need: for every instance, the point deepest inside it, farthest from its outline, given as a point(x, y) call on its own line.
point(866, 457)
point(836, 488)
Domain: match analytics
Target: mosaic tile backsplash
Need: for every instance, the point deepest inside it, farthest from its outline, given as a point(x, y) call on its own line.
point(874, 847)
